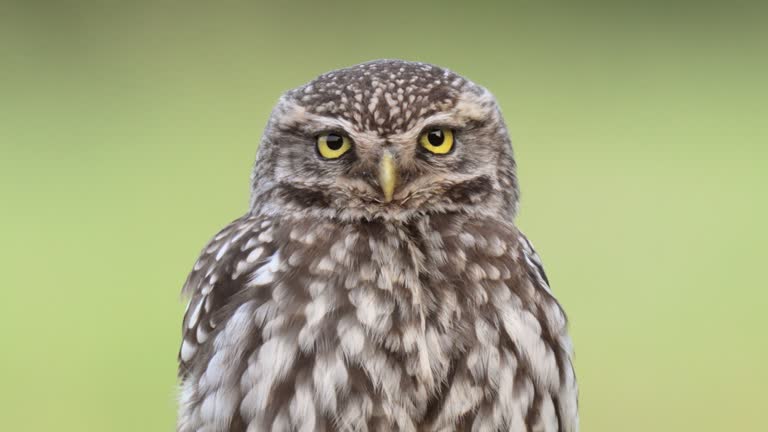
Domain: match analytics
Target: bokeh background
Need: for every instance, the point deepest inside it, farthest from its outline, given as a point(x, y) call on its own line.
point(128, 129)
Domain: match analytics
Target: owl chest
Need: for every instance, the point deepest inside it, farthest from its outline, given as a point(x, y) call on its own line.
point(396, 314)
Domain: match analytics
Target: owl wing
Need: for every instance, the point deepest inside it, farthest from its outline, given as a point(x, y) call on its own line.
point(563, 411)
point(535, 267)
point(513, 371)
point(220, 275)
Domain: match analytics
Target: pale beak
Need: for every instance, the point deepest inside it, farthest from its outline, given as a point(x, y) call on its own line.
point(387, 175)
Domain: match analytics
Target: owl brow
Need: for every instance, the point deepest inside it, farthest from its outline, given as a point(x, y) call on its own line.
point(296, 118)
point(317, 125)
point(441, 120)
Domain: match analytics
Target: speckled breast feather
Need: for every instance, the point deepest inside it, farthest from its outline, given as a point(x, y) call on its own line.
point(326, 309)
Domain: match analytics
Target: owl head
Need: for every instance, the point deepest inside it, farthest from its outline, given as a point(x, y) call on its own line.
point(387, 139)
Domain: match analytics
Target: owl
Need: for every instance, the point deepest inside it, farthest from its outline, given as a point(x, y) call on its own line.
point(378, 281)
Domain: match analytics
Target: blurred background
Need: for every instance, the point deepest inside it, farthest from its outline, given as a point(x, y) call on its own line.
point(128, 130)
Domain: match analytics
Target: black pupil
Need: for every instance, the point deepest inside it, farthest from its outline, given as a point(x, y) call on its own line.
point(334, 142)
point(436, 137)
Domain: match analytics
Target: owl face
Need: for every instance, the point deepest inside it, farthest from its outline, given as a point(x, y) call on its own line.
point(385, 139)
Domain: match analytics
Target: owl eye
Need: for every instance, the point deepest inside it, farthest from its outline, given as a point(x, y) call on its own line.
point(437, 141)
point(333, 146)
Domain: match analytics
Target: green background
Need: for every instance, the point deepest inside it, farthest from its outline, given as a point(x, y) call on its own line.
point(128, 129)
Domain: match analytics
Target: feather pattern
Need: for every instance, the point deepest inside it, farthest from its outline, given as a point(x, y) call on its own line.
point(327, 308)
point(416, 326)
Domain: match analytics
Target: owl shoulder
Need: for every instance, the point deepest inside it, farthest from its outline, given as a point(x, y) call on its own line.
point(233, 259)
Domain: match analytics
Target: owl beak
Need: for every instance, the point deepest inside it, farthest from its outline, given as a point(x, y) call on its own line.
point(387, 175)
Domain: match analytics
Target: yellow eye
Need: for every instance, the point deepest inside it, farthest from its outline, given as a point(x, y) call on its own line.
point(438, 141)
point(333, 146)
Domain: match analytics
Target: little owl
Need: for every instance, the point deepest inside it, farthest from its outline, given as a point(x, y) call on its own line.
point(378, 281)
